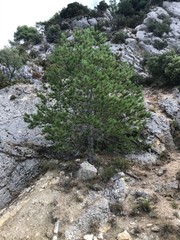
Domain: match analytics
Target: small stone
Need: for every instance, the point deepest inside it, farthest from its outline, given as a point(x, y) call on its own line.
point(161, 172)
point(105, 228)
point(149, 225)
point(124, 236)
point(88, 237)
point(100, 236)
point(155, 229)
point(56, 227)
point(54, 238)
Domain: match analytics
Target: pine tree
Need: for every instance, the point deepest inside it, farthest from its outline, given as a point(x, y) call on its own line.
point(91, 99)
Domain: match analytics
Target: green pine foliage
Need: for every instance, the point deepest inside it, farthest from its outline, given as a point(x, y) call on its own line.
point(92, 100)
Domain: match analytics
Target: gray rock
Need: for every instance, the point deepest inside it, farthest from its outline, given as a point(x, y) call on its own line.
point(172, 7)
point(82, 23)
point(143, 158)
point(171, 107)
point(160, 172)
point(92, 21)
point(159, 134)
point(155, 229)
point(18, 163)
point(5, 197)
point(117, 191)
point(87, 171)
point(147, 236)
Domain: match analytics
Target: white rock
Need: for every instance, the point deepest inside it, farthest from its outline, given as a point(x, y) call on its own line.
point(124, 236)
point(88, 237)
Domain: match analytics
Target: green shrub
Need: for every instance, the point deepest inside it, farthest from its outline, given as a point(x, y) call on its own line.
point(164, 69)
point(144, 206)
point(160, 44)
point(27, 34)
point(131, 13)
point(4, 81)
point(157, 28)
point(121, 164)
point(108, 173)
point(11, 60)
point(102, 6)
point(53, 33)
point(73, 10)
point(119, 37)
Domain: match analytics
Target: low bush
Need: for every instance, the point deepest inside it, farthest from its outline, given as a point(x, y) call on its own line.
point(53, 33)
point(102, 6)
point(4, 81)
point(119, 37)
point(73, 10)
point(157, 28)
point(121, 164)
point(160, 44)
point(164, 69)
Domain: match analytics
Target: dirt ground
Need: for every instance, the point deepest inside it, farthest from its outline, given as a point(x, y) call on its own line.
point(54, 196)
point(33, 215)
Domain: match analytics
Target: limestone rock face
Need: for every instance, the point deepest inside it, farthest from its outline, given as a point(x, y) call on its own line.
point(18, 162)
point(82, 23)
point(159, 134)
point(173, 8)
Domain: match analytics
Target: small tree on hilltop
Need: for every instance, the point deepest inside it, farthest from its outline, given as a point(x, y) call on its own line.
point(27, 34)
point(11, 60)
point(92, 100)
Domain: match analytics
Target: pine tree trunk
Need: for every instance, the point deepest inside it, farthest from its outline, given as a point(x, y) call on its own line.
point(91, 146)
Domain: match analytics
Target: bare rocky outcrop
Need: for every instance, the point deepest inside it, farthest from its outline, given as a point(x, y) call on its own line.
point(18, 159)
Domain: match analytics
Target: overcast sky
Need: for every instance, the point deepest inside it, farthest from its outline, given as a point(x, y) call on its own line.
point(14, 13)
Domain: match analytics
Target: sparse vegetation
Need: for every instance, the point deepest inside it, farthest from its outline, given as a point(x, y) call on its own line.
point(174, 205)
point(121, 164)
point(142, 206)
point(108, 172)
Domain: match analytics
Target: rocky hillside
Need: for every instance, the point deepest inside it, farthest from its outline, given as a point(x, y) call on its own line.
point(139, 199)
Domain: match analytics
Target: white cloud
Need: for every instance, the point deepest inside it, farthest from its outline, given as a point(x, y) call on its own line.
point(14, 13)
